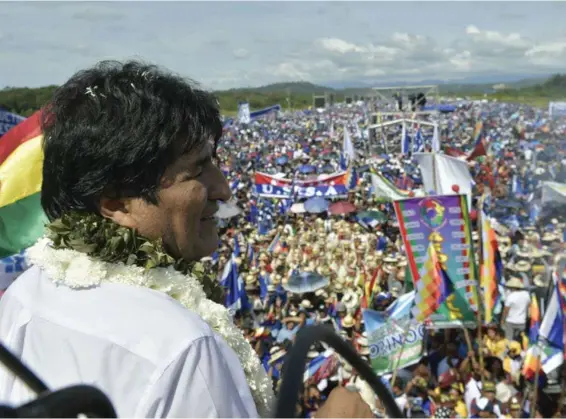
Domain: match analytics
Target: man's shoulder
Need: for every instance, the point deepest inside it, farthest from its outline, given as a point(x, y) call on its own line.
point(139, 319)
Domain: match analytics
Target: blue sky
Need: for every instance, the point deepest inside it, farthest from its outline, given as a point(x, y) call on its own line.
point(235, 44)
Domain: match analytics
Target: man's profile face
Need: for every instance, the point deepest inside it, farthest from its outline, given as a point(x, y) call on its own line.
point(187, 201)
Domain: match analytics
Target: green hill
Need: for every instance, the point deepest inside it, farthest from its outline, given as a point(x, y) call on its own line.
point(298, 95)
point(554, 88)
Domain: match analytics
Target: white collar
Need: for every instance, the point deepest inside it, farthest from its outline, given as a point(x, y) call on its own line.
point(79, 271)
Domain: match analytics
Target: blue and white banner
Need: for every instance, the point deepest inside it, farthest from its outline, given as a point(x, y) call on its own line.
point(395, 340)
point(8, 120)
point(332, 186)
point(244, 113)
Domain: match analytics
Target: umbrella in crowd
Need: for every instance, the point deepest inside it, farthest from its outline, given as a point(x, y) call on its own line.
point(316, 205)
point(341, 207)
point(303, 282)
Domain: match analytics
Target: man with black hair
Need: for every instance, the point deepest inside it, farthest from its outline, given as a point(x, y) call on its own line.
point(116, 296)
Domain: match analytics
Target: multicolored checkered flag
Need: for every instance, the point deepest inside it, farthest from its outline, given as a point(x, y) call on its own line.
point(433, 287)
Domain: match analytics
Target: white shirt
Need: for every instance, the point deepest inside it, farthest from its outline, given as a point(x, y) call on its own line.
point(150, 355)
point(365, 390)
point(518, 303)
point(472, 392)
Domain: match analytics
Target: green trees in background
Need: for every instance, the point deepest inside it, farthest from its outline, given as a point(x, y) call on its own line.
point(297, 95)
point(24, 100)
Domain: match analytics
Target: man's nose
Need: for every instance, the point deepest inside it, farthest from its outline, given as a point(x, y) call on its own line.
point(218, 189)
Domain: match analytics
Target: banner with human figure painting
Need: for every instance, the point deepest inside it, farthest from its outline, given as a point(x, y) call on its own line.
point(443, 222)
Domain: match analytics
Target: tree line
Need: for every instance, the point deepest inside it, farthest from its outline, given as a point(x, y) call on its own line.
point(24, 100)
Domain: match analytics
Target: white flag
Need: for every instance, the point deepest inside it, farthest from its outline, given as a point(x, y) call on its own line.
point(435, 140)
point(348, 146)
point(440, 173)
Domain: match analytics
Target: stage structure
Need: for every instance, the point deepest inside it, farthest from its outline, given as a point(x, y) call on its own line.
point(404, 115)
point(400, 95)
point(323, 101)
point(319, 101)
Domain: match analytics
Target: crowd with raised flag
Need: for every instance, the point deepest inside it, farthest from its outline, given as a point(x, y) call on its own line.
point(436, 250)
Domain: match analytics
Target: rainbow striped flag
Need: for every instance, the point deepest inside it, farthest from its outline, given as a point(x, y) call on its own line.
point(532, 361)
point(534, 315)
point(367, 298)
point(433, 288)
point(491, 268)
point(22, 220)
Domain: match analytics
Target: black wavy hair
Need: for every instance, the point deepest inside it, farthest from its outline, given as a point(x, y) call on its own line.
point(113, 129)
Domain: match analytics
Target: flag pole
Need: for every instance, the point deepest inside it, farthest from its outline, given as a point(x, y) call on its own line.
point(479, 317)
point(398, 360)
point(534, 396)
point(469, 342)
point(563, 392)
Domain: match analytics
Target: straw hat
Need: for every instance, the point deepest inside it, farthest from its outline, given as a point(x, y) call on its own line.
point(515, 283)
point(338, 287)
point(523, 266)
point(488, 387)
point(261, 331)
point(306, 304)
point(277, 356)
point(250, 286)
point(350, 300)
point(538, 281)
point(550, 237)
point(348, 322)
point(321, 293)
point(504, 240)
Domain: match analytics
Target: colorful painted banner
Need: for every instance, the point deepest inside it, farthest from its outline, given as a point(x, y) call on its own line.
point(393, 343)
point(331, 186)
point(444, 222)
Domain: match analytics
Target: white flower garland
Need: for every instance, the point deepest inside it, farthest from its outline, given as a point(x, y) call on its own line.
point(78, 270)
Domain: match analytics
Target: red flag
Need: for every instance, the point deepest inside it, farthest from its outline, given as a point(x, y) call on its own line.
point(479, 150)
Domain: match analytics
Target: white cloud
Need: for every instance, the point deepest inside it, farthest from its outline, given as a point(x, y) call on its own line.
point(255, 43)
point(241, 53)
point(339, 46)
point(407, 55)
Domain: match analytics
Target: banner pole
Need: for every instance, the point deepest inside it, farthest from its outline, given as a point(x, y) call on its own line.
point(534, 396)
point(469, 342)
point(398, 360)
point(479, 290)
point(563, 392)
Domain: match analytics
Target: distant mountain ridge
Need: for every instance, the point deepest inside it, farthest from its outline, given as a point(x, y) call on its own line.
point(478, 84)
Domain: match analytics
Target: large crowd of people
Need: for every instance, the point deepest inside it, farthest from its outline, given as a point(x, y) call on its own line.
point(448, 381)
point(273, 240)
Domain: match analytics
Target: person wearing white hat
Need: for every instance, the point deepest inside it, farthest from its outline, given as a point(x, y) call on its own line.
point(514, 317)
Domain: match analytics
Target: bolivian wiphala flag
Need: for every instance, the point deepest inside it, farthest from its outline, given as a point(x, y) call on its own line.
point(22, 220)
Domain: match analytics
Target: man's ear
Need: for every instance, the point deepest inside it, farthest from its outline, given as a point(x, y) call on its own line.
point(119, 211)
